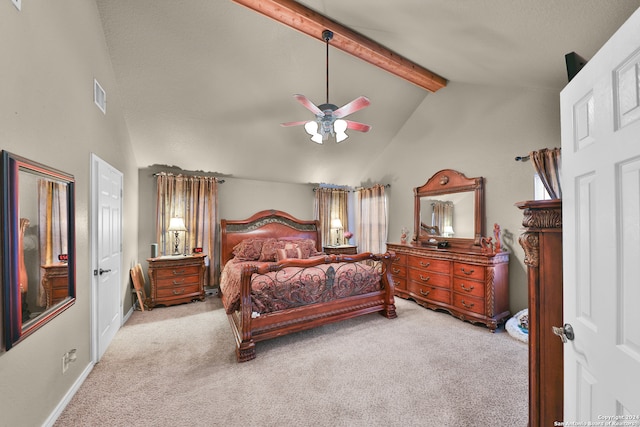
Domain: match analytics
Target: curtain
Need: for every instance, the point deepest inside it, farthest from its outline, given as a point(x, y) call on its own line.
point(371, 219)
point(548, 165)
point(195, 199)
point(52, 225)
point(331, 203)
point(442, 216)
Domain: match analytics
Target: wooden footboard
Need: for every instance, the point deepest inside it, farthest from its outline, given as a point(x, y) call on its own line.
point(248, 329)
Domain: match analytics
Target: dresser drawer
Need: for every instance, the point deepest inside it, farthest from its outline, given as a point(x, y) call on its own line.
point(399, 259)
point(469, 271)
point(400, 283)
point(468, 303)
point(398, 270)
point(425, 277)
point(430, 264)
point(430, 292)
point(468, 287)
point(178, 291)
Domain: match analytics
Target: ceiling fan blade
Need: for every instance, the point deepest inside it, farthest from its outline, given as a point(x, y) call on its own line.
point(355, 105)
point(293, 123)
point(358, 126)
point(308, 104)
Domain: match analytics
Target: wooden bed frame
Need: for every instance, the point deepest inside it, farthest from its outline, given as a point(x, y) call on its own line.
point(277, 224)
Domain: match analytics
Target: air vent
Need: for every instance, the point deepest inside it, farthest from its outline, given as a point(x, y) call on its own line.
point(17, 4)
point(99, 96)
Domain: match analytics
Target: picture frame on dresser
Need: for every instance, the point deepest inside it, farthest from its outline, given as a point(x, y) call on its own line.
point(456, 274)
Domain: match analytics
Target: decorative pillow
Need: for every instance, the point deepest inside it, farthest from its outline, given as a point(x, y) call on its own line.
point(308, 247)
point(248, 249)
point(269, 247)
point(289, 251)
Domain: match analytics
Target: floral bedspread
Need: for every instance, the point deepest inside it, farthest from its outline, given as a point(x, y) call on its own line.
point(297, 286)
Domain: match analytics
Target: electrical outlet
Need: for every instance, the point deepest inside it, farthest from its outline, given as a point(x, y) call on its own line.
point(65, 362)
point(17, 4)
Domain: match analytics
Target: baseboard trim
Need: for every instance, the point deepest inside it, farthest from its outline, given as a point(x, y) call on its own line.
point(50, 421)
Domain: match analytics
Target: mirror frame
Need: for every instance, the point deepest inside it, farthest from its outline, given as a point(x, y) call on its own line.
point(14, 332)
point(449, 181)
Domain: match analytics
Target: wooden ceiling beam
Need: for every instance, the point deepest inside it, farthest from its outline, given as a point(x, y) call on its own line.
point(312, 23)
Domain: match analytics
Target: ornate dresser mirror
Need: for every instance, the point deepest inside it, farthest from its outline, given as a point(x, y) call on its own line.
point(449, 207)
point(38, 246)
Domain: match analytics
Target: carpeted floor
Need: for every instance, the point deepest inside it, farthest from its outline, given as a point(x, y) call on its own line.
point(175, 366)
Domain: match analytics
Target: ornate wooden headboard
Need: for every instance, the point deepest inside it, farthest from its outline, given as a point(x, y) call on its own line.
point(265, 224)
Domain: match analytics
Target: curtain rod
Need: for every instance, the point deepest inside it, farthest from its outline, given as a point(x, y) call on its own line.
point(522, 158)
point(347, 189)
point(218, 180)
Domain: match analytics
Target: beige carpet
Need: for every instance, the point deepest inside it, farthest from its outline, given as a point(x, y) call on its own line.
point(175, 366)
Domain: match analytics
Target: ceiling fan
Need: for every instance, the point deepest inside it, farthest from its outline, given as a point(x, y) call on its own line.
point(329, 118)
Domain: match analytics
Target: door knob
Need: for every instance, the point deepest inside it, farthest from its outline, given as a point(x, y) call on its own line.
point(565, 333)
point(104, 271)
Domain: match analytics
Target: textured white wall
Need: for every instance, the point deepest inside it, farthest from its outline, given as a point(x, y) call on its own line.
point(477, 130)
point(51, 52)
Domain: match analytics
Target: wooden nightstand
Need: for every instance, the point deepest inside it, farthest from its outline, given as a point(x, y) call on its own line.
point(55, 282)
point(340, 250)
point(176, 279)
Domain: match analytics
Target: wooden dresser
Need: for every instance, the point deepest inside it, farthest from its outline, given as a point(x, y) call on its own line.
point(55, 281)
point(470, 285)
point(542, 244)
point(176, 279)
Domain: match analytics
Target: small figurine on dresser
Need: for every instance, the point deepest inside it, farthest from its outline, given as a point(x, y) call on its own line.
point(403, 235)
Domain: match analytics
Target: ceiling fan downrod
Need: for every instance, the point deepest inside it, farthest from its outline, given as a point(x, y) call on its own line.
point(326, 36)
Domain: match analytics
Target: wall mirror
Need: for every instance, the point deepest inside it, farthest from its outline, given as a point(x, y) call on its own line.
point(449, 206)
point(38, 246)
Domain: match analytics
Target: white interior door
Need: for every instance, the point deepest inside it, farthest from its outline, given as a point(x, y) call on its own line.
point(600, 111)
point(107, 246)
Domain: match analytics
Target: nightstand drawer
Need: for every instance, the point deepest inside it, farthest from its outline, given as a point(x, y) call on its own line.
point(170, 282)
point(178, 271)
point(178, 291)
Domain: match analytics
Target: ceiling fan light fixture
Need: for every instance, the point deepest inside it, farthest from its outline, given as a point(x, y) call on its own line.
point(311, 127)
point(340, 127)
point(317, 138)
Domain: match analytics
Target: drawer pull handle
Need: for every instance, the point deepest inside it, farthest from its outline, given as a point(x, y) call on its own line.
point(395, 283)
point(467, 272)
point(468, 305)
point(180, 292)
point(423, 293)
point(425, 279)
point(178, 282)
point(395, 270)
point(464, 288)
point(396, 259)
point(178, 272)
point(424, 264)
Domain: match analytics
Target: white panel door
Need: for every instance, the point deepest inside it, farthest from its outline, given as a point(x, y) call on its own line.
point(600, 111)
point(107, 202)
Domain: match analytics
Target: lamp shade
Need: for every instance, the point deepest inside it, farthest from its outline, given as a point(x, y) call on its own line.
point(177, 224)
point(336, 223)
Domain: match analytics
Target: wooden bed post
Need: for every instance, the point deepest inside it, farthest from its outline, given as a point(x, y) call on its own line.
point(387, 280)
point(245, 346)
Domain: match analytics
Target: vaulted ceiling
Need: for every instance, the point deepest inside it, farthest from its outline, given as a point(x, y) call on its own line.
point(204, 84)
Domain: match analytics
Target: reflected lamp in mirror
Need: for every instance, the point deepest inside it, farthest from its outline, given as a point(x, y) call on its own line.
point(447, 231)
point(38, 246)
point(336, 224)
point(176, 225)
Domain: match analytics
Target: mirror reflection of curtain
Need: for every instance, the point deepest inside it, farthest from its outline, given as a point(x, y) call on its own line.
point(371, 219)
point(548, 165)
point(52, 225)
point(442, 216)
point(195, 199)
point(330, 203)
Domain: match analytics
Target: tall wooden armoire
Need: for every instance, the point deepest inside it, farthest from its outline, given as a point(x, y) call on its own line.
point(542, 243)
